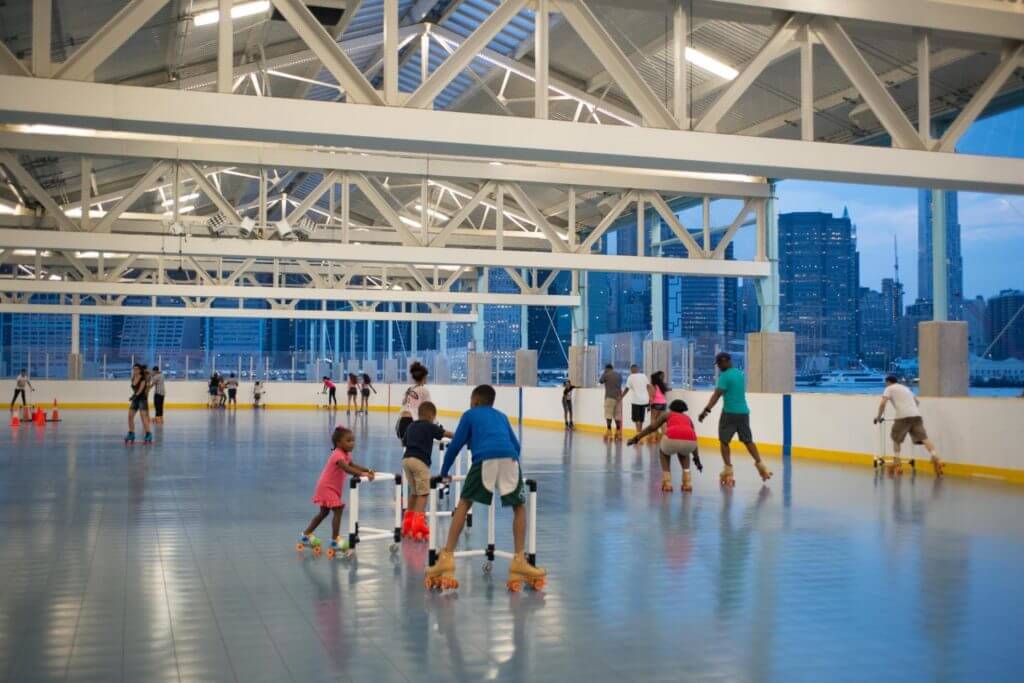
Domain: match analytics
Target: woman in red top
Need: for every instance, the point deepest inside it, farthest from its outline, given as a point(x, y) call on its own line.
point(332, 392)
point(680, 440)
point(328, 490)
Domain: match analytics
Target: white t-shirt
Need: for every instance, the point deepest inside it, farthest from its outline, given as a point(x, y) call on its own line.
point(903, 401)
point(414, 396)
point(637, 385)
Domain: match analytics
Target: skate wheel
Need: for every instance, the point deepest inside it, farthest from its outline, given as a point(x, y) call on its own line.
point(316, 551)
point(539, 584)
point(300, 546)
point(331, 553)
point(488, 567)
point(515, 586)
point(393, 548)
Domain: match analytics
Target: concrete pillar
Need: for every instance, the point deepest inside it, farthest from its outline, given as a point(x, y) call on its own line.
point(771, 362)
point(441, 373)
point(442, 338)
point(75, 355)
point(391, 370)
point(940, 259)
point(657, 356)
point(370, 368)
point(768, 288)
point(478, 326)
point(583, 365)
point(478, 368)
point(942, 357)
point(526, 368)
point(371, 347)
point(413, 338)
point(580, 321)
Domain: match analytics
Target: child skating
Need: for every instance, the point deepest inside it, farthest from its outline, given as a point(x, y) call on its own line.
point(567, 388)
point(139, 403)
point(680, 440)
point(331, 389)
point(328, 492)
point(352, 390)
point(419, 446)
point(365, 387)
point(489, 436)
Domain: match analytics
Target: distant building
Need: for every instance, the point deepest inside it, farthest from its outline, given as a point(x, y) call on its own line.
point(502, 325)
point(976, 315)
point(748, 310)
point(1006, 324)
point(876, 331)
point(892, 293)
point(955, 291)
point(819, 273)
point(906, 329)
point(551, 327)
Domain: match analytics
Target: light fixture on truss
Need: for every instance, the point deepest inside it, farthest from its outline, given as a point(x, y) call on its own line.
point(216, 224)
point(305, 228)
point(284, 230)
point(247, 227)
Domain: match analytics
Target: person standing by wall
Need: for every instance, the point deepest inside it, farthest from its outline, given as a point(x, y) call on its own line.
point(735, 418)
point(612, 382)
point(908, 421)
point(232, 386)
point(156, 380)
point(20, 382)
point(639, 398)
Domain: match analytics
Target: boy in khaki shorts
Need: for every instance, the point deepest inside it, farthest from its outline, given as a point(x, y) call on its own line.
point(419, 440)
point(495, 469)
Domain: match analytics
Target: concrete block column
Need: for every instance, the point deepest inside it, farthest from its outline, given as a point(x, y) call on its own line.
point(658, 356)
point(526, 368)
point(583, 362)
point(391, 371)
point(942, 358)
point(478, 368)
point(771, 362)
point(74, 366)
point(441, 373)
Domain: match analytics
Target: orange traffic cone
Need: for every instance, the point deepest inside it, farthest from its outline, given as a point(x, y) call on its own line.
point(55, 416)
point(40, 417)
point(15, 422)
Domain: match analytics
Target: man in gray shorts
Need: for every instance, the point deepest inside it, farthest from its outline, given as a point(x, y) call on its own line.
point(612, 399)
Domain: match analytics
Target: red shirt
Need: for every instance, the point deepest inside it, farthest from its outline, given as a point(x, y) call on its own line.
point(680, 427)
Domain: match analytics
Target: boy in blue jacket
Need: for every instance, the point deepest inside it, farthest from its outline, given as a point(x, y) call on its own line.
point(495, 449)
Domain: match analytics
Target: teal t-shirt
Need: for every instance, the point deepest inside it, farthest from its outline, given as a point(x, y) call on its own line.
point(734, 392)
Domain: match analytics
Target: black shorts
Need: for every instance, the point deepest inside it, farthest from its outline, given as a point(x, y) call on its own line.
point(639, 411)
point(232, 394)
point(734, 424)
point(366, 393)
point(351, 391)
point(403, 424)
point(139, 403)
point(658, 406)
point(158, 404)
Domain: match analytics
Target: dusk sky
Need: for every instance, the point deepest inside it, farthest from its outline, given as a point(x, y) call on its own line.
point(992, 225)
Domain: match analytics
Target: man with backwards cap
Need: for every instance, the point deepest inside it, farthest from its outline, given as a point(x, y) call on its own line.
point(735, 418)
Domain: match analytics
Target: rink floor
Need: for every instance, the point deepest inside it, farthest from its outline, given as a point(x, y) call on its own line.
point(177, 562)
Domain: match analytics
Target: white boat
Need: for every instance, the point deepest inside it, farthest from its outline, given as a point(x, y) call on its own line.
point(857, 377)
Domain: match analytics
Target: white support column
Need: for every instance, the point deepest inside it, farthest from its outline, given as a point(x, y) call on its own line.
point(390, 50)
point(225, 47)
point(657, 287)
point(261, 219)
point(425, 59)
point(75, 332)
point(499, 217)
point(371, 345)
point(680, 41)
point(924, 86)
point(346, 204)
point(42, 32)
point(768, 288)
point(75, 353)
point(640, 227)
point(86, 191)
point(940, 262)
point(806, 86)
point(524, 318)
point(706, 223)
point(478, 326)
point(540, 59)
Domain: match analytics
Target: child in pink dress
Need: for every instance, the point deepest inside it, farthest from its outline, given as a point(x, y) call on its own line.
point(329, 488)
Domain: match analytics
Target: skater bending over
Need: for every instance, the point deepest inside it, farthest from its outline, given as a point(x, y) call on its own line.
point(331, 389)
point(329, 487)
point(680, 440)
point(567, 388)
point(735, 418)
point(418, 441)
point(908, 421)
point(495, 469)
point(139, 403)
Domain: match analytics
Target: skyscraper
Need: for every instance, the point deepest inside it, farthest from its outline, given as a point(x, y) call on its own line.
point(1006, 324)
point(819, 272)
point(955, 290)
point(876, 329)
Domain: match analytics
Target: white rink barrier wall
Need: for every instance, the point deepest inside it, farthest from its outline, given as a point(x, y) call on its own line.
point(976, 436)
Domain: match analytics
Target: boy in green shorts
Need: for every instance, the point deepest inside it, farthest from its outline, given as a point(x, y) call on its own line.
point(495, 448)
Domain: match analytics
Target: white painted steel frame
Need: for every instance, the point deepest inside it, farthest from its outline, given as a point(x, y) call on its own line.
point(247, 313)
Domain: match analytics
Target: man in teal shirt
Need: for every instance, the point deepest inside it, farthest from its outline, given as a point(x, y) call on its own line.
point(735, 419)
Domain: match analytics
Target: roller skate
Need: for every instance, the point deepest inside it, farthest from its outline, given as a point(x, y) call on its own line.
point(441, 574)
point(607, 435)
point(419, 530)
point(687, 482)
point(407, 524)
point(697, 463)
point(520, 571)
point(311, 541)
point(618, 435)
point(894, 468)
point(666, 481)
point(939, 466)
point(148, 439)
point(129, 438)
point(763, 470)
point(337, 547)
point(726, 478)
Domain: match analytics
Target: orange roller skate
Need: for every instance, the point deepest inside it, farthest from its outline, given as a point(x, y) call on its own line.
point(894, 468)
point(419, 529)
point(608, 435)
point(441, 575)
point(666, 481)
point(939, 466)
point(726, 478)
point(520, 571)
point(763, 470)
point(407, 523)
point(687, 482)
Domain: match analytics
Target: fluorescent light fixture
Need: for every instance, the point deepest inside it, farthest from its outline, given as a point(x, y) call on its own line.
point(5, 208)
point(54, 276)
point(709, 63)
point(177, 228)
point(77, 213)
point(410, 222)
point(46, 129)
point(96, 254)
point(246, 9)
point(181, 209)
point(182, 198)
point(24, 252)
point(432, 212)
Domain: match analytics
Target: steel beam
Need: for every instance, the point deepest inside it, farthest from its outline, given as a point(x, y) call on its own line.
point(260, 313)
point(370, 253)
point(42, 36)
point(11, 65)
point(982, 17)
point(112, 35)
point(35, 189)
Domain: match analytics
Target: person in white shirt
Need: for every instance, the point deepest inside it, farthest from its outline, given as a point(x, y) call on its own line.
point(19, 388)
point(908, 421)
point(639, 398)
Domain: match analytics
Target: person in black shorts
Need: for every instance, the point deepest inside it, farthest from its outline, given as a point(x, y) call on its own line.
point(139, 403)
point(567, 388)
point(365, 387)
point(232, 386)
point(353, 390)
point(414, 396)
